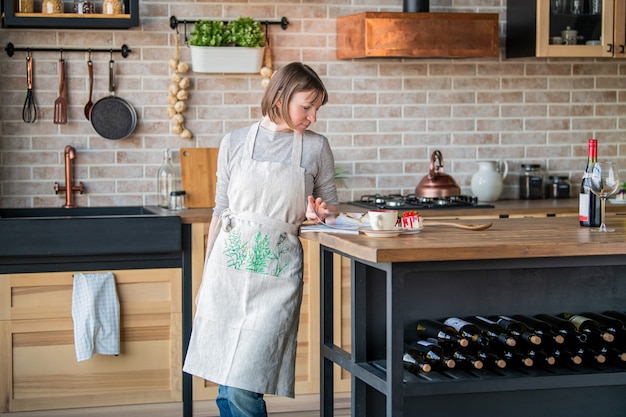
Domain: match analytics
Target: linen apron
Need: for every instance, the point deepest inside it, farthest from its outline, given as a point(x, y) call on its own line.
point(246, 324)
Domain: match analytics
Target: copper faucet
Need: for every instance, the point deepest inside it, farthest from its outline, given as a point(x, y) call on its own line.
point(69, 188)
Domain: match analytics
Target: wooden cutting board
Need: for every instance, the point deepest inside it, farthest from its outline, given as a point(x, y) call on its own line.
point(198, 172)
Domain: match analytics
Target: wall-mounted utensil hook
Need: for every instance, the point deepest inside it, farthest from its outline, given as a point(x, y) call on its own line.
point(11, 49)
point(174, 22)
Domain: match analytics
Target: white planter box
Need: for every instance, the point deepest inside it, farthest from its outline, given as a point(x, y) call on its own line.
point(233, 59)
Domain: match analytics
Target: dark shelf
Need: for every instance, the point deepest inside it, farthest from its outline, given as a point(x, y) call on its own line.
point(70, 20)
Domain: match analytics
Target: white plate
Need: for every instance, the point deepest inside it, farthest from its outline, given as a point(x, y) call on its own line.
point(614, 201)
point(410, 231)
point(379, 233)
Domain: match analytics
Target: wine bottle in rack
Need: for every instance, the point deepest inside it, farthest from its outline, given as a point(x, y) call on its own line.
point(441, 332)
point(589, 204)
point(466, 360)
point(612, 325)
point(566, 357)
point(596, 333)
point(613, 354)
point(490, 359)
point(566, 329)
point(495, 333)
point(541, 329)
point(517, 358)
point(432, 353)
point(414, 362)
point(467, 330)
point(591, 355)
point(616, 315)
point(518, 329)
point(540, 357)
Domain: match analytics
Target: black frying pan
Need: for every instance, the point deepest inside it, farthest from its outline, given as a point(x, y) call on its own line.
point(113, 117)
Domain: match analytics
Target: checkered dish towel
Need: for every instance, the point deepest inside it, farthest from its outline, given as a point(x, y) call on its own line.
point(96, 315)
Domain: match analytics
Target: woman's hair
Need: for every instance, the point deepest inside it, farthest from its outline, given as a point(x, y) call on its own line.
point(288, 80)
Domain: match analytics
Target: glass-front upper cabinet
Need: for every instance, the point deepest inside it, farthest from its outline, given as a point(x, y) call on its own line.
point(566, 28)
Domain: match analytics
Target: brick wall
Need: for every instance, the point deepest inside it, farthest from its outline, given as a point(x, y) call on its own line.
point(384, 119)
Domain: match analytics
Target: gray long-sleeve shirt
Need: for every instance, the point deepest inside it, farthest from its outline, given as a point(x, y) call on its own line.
point(317, 161)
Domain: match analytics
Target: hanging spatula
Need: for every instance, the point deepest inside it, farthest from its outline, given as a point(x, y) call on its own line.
point(60, 104)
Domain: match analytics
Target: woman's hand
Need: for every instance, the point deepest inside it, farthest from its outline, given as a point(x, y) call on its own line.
point(317, 210)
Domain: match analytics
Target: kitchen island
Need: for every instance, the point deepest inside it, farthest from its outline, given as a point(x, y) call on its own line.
point(519, 266)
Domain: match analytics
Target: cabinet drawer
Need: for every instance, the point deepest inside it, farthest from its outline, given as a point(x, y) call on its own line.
point(49, 295)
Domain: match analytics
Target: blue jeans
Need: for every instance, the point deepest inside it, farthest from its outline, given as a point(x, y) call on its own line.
point(235, 402)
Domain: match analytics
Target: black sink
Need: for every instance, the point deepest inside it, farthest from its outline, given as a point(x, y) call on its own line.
point(11, 213)
point(54, 232)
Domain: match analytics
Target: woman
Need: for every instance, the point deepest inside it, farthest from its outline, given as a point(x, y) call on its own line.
point(270, 176)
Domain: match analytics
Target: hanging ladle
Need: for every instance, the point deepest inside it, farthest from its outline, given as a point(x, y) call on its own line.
point(29, 112)
point(89, 104)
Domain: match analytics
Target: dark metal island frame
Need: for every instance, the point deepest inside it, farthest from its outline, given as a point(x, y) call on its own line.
point(519, 266)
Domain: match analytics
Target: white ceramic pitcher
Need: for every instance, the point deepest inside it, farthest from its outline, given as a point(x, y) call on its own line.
point(488, 181)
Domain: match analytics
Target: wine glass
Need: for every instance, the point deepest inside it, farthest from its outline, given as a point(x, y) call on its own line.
point(604, 182)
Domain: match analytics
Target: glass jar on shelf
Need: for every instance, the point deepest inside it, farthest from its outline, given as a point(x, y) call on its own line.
point(52, 6)
point(84, 7)
point(558, 187)
point(25, 6)
point(113, 7)
point(531, 182)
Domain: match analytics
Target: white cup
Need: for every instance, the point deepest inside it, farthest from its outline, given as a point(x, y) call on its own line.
point(383, 219)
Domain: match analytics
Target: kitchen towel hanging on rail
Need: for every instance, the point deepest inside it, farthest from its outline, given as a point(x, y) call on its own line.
point(96, 315)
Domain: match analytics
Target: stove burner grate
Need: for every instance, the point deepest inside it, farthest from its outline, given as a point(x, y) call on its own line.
point(413, 202)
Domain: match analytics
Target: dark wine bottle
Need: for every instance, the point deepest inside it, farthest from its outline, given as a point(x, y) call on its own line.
point(613, 354)
point(616, 315)
point(572, 336)
point(413, 362)
point(596, 333)
point(566, 357)
point(541, 329)
point(490, 359)
point(495, 333)
point(440, 332)
point(466, 360)
point(518, 329)
point(540, 357)
point(589, 203)
point(612, 325)
point(590, 354)
point(432, 353)
point(467, 330)
point(515, 357)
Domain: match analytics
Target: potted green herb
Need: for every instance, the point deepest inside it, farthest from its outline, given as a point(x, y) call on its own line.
point(236, 46)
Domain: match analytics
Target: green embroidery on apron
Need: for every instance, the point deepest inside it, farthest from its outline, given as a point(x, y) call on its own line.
point(280, 250)
point(260, 257)
point(235, 250)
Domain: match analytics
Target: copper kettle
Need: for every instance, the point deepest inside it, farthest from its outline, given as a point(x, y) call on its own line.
point(437, 184)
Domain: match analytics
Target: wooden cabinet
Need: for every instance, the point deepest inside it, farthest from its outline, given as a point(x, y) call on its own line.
point(533, 26)
point(15, 19)
point(417, 35)
point(38, 367)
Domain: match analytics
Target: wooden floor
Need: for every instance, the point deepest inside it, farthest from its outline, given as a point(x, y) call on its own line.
point(307, 406)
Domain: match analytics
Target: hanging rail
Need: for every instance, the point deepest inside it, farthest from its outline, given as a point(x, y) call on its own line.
point(174, 22)
point(11, 49)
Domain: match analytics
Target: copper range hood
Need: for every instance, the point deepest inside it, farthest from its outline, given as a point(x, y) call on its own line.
point(411, 34)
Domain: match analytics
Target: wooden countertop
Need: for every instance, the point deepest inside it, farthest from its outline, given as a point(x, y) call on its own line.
point(507, 238)
point(503, 208)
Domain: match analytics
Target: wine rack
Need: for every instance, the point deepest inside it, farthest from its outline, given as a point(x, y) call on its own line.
point(387, 298)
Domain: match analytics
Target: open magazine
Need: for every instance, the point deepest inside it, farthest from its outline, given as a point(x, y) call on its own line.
point(341, 223)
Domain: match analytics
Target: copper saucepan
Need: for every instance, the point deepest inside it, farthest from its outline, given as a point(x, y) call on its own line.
point(437, 184)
